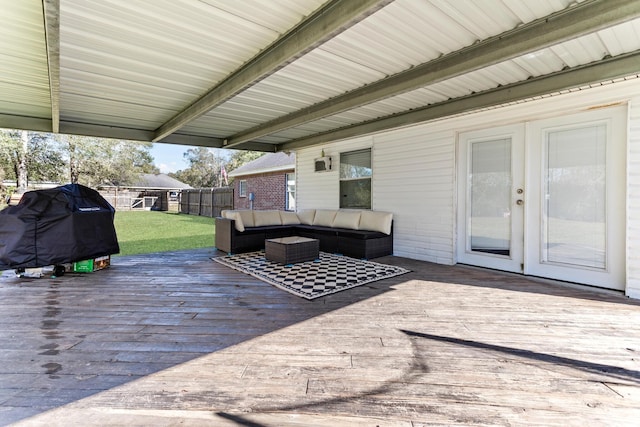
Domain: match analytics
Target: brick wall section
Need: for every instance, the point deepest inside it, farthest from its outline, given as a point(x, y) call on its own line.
point(269, 190)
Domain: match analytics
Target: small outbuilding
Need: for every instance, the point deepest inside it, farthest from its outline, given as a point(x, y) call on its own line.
point(150, 192)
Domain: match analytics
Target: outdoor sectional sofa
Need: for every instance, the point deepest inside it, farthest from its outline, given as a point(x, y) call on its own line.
point(356, 233)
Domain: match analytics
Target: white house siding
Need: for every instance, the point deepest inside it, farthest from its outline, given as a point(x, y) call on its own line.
point(414, 178)
point(415, 170)
point(633, 201)
point(319, 190)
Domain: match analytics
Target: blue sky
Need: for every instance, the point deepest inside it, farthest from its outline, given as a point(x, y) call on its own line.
point(169, 157)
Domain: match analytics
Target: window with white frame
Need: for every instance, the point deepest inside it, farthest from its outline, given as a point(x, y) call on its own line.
point(355, 179)
point(290, 196)
point(242, 188)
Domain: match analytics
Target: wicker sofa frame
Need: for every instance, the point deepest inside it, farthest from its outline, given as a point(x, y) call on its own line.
point(362, 244)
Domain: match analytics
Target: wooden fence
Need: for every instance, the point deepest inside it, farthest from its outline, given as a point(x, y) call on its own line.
point(206, 201)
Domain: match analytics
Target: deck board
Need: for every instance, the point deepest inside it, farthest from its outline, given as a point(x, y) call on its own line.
point(174, 338)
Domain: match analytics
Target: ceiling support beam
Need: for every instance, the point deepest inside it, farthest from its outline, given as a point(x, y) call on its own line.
point(51, 9)
point(322, 25)
point(581, 19)
point(102, 131)
point(602, 71)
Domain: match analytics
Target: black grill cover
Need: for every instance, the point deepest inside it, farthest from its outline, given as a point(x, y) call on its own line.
point(56, 226)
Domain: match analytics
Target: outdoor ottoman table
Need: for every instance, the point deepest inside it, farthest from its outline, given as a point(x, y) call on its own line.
point(290, 250)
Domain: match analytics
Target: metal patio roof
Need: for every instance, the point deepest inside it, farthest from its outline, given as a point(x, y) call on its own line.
point(274, 75)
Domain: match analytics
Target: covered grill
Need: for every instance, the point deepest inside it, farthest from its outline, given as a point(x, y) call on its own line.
point(56, 226)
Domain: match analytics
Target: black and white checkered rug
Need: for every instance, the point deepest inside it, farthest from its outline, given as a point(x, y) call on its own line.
point(312, 279)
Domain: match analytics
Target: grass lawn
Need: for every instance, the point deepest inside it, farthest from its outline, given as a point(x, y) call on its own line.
point(151, 231)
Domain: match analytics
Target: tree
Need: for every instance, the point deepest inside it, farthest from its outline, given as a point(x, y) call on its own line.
point(205, 165)
point(29, 156)
point(21, 155)
point(94, 161)
point(204, 168)
point(241, 157)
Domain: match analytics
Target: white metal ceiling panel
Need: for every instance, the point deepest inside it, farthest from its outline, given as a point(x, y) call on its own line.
point(269, 101)
point(401, 35)
point(219, 125)
point(175, 48)
point(276, 15)
point(487, 18)
point(24, 78)
point(621, 38)
point(580, 51)
point(539, 63)
point(529, 10)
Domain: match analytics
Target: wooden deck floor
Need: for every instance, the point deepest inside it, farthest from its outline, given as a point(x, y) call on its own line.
point(176, 339)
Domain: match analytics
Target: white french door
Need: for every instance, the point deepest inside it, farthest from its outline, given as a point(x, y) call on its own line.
point(578, 210)
point(546, 198)
point(491, 198)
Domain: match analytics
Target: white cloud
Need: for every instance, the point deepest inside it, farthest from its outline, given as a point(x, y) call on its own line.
point(167, 168)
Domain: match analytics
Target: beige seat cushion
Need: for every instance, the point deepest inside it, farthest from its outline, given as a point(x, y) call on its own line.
point(247, 217)
point(306, 216)
point(234, 215)
point(289, 218)
point(262, 218)
point(324, 217)
point(347, 219)
point(376, 221)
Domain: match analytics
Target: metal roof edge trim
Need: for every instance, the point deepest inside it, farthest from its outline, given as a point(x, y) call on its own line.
point(263, 170)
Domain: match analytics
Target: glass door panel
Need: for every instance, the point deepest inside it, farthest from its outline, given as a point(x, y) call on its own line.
point(574, 228)
point(490, 197)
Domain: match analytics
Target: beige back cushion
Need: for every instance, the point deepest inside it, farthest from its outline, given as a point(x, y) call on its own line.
point(347, 219)
point(247, 217)
point(306, 216)
point(289, 218)
point(234, 215)
point(324, 217)
point(376, 221)
point(262, 218)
